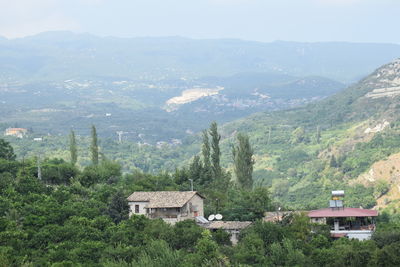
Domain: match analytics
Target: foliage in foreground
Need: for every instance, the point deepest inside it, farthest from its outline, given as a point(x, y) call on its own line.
point(78, 217)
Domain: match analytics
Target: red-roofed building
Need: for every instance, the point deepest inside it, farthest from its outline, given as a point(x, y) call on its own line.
point(17, 132)
point(345, 212)
point(345, 222)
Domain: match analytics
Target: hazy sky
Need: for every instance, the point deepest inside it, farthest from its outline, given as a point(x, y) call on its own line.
point(262, 20)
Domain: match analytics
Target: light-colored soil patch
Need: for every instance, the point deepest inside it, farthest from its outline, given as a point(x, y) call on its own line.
point(191, 95)
point(384, 92)
point(385, 170)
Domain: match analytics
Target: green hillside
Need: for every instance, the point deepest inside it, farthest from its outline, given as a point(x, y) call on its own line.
point(300, 153)
point(306, 152)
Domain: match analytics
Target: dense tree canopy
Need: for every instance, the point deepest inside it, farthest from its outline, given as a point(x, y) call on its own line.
point(76, 217)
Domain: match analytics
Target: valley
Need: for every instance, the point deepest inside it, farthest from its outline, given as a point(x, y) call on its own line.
point(308, 132)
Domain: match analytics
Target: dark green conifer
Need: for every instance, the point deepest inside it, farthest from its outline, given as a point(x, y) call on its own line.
point(118, 208)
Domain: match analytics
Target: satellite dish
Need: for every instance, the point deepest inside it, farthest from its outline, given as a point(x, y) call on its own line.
point(218, 216)
point(211, 217)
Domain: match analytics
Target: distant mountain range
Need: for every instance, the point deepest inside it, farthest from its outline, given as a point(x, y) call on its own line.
point(65, 55)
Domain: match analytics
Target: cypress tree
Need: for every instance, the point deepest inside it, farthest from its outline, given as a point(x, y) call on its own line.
point(72, 148)
point(216, 152)
point(243, 161)
point(118, 209)
point(94, 148)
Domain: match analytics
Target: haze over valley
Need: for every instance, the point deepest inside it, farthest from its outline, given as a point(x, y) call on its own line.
point(163, 89)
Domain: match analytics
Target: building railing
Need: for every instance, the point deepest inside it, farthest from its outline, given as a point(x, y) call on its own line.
point(163, 215)
point(369, 227)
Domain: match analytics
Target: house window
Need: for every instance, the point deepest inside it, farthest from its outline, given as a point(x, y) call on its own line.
point(136, 208)
point(178, 209)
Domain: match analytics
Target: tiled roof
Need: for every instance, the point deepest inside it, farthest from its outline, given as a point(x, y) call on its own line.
point(163, 199)
point(346, 212)
point(228, 225)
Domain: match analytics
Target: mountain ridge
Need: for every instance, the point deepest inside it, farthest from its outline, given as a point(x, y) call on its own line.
point(55, 55)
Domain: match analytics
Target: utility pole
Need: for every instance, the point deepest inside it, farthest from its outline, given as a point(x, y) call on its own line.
point(191, 184)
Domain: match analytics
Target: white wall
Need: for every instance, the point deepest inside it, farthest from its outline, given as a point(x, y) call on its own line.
point(142, 210)
point(356, 234)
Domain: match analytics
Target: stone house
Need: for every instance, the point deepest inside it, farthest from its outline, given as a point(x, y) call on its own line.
point(171, 206)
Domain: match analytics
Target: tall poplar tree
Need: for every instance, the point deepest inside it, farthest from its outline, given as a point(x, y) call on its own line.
point(72, 147)
point(243, 161)
point(216, 152)
point(94, 148)
point(205, 150)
